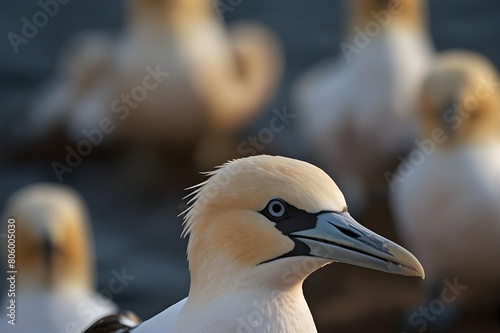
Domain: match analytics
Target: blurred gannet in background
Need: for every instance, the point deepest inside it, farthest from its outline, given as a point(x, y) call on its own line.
point(257, 228)
point(357, 113)
point(218, 78)
point(55, 289)
point(175, 79)
point(447, 207)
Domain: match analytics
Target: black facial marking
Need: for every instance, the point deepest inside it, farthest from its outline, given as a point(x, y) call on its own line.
point(294, 220)
point(300, 249)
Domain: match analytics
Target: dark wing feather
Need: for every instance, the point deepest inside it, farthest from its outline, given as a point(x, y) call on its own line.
point(123, 322)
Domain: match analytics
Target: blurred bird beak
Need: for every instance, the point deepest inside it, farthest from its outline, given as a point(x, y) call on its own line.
point(337, 236)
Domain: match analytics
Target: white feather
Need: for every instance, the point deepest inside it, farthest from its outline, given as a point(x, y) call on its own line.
point(448, 211)
point(259, 307)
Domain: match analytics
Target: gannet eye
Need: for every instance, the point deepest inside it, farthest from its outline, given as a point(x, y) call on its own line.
point(276, 208)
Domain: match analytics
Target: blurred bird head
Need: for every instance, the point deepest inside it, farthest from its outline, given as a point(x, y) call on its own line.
point(51, 237)
point(461, 97)
point(143, 9)
point(150, 11)
point(256, 217)
point(389, 13)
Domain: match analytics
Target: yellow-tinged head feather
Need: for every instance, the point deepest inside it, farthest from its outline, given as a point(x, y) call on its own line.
point(227, 233)
point(389, 13)
point(150, 11)
point(249, 183)
point(257, 217)
point(461, 97)
point(51, 218)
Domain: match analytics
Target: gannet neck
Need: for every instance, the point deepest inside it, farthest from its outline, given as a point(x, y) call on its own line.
point(55, 252)
point(272, 290)
point(264, 311)
point(407, 14)
point(222, 275)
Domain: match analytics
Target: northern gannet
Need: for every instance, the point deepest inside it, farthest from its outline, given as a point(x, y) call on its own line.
point(447, 201)
point(257, 228)
point(54, 284)
point(219, 78)
point(174, 78)
point(362, 104)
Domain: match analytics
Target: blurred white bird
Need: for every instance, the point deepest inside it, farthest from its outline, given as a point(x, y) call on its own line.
point(447, 201)
point(175, 78)
point(55, 290)
point(218, 78)
point(357, 112)
point(257, 228)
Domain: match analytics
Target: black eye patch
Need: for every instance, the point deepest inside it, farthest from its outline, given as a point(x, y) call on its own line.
point(293, 220)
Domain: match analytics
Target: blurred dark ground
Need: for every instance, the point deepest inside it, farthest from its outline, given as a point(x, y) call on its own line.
point(139, 232)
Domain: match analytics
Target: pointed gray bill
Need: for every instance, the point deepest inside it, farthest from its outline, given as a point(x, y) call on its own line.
point(337, 236)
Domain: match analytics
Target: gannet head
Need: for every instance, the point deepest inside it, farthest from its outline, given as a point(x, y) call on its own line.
point(389, 13)
point(263, 210)
point(148, 11)
point(51, 233)
point(461, 97)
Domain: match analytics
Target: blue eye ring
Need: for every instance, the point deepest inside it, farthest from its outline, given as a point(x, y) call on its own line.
point(276, 208)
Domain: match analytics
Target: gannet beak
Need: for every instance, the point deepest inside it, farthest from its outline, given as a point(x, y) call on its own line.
point(337, 236)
